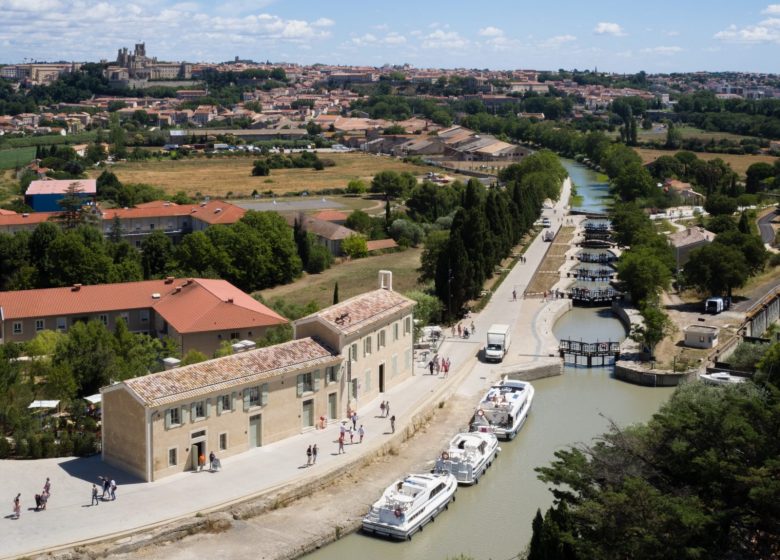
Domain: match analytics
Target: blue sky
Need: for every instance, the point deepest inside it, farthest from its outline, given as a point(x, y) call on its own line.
point(626, 36)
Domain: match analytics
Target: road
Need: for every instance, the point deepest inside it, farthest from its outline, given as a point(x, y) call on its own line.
point(765, 227)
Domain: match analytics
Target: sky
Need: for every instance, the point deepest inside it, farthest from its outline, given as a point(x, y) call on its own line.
point(613, 36)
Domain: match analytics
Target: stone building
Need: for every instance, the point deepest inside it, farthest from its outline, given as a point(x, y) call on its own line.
point(159, 424)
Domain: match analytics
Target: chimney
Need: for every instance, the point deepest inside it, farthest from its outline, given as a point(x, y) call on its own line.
point(386, 280)
point(75, 288)
point(230, 300)
point(169, 279)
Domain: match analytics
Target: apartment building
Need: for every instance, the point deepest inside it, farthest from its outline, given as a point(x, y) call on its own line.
point(197, 313)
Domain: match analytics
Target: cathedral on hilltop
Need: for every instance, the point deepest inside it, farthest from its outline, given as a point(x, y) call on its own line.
point(136, 66)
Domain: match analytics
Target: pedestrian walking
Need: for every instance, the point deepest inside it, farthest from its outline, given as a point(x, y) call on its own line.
point(105, 483)
point(460, 331)
point(314, 452)
point(354, 420)
point(361, 433)
point(17, 506)
point(392, 423)
point(430, 367)
point(308, 456)
point(341, 444)
point(387, 408)
point(351, 436)
point(112, 489)
point(514, 295)
point(446, 367)
point(95, 499)
point(44, 499)
point(47, 486)
point(382, 409)
point(473, 328)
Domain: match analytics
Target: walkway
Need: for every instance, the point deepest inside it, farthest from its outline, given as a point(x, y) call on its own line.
point(69, 519)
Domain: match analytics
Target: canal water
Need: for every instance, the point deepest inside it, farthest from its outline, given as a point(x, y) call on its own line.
point(492, 520)
point(592, 191)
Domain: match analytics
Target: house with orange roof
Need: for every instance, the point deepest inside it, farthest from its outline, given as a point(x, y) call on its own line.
point(160, 424)
point(199, 314)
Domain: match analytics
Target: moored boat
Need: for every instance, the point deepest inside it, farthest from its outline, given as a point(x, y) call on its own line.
point(504, 408)
point(721, 378)
point(468, 456)
point(408, 504)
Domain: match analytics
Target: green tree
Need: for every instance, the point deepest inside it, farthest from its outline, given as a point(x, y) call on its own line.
point(156, 254)
point(336, 293)
point(757, 175)
point(356, 186)
point(643, 274)
point(261, 168)
point(193, 357)
point(88, 353)
point(427, 311)
point(359, 221)
point(717, 269)
point(656, 325)
point(355, 246)
point(435, 243)
point(72, 204)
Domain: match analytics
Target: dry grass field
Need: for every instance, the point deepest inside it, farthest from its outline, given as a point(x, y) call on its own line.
point(354, 277)
point(737, 163)
point(218, 176)
point(549, 272)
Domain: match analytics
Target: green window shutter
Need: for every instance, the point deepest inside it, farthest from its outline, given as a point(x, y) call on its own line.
point(316, 381)
point(219, 405)
point(246, 400)
point(208, 408)
point(300, 385)
point(368, 381)
point(185, 412)
point(339, 369)
point(167, 418)
point(233, 398)
point(192, 412)
point(264, 394)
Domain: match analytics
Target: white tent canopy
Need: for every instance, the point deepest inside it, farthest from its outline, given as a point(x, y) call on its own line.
point(44, 404)
point(94, 399)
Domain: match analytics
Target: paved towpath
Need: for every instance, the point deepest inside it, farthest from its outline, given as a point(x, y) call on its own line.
point(69, 518)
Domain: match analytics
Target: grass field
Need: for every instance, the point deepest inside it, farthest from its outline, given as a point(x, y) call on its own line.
point(16, 157)
point(738, 163)
point(218, 176)
point(354, 277)
point(658, 134)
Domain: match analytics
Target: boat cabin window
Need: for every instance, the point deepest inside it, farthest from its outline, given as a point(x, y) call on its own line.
point(436, 490)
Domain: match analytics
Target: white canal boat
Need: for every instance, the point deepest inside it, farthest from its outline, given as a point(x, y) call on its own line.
point(504, 408)
point(468, 456)
point(721, 378)
point(410, 503)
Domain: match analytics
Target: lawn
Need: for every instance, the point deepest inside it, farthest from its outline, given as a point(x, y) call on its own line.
point(219, 175)
point(16, 157)
point(738, 163)
point(658, 134)
point(354, 277)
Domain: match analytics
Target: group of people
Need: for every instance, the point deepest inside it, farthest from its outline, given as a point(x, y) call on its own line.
point(345, 430)
point(40, 500)
point(109, 488)
point(464, 332)
point(384, 408)
point(311, 455)
point(439, 365)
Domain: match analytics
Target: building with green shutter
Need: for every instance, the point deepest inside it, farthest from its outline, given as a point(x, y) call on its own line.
point(344, 356)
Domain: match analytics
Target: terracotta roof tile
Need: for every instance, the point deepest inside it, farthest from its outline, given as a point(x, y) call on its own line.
point(379, 244)
point(357, 312)
point(188, 306)
point(222, 374)
point(14, 219)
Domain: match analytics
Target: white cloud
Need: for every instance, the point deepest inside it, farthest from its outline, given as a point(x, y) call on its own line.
point(662, 50)
point(672, 33)
point(608, 28)
point(772, 9)
point(767, 31)
point(557, 41)
point(491, 32)
point(323, 22)
point(390, 39)
point(440, 39)
point(394, 39)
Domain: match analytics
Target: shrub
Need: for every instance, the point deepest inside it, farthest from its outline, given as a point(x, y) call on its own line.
point(65, 448)
point(84, 445)
point(5, 448)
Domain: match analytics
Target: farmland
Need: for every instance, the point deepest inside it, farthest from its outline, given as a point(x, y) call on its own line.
point(16, 157)
point(219, 176)
point(738, 163)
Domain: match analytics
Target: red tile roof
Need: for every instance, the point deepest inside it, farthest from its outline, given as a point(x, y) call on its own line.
point(197, 305)
point(379, 244)
point(14, 219)
point(331, 216)
point(222, 374)
point(357, 312)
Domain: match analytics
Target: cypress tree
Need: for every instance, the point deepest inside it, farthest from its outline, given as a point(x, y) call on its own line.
point(744, 224)
point(336, 293)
